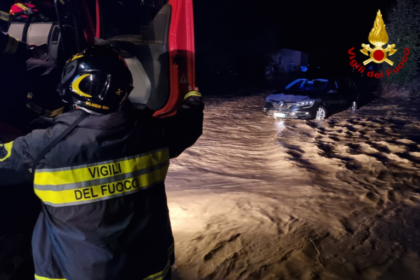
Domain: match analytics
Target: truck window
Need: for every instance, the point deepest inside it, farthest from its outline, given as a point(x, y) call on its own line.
point(129, 17)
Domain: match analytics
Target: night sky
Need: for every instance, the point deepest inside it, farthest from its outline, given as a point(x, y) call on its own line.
point(233, 30)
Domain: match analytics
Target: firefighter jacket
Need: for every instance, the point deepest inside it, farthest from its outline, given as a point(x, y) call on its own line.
point(10, 45)
point(104, 210)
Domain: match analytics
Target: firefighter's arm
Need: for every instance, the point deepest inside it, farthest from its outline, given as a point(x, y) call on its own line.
point(12, 46)
point(4, 13)
point(183, 129)
point(15, 162)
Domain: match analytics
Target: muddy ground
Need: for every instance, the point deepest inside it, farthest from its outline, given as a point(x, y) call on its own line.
point(257, 198)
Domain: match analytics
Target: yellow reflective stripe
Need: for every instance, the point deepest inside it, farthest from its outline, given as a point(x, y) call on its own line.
point(54, 113)
point(171, 249)
point(46, 278)
point(37, 109)
point(34, 108)
point(192, 93)
point(109, 169)
point(77, 56)
point(12, 45)
point(8, 147)
point(102, 191)
point(62, 2)
point(160, 275)
point(75, 86)
point(4, 16)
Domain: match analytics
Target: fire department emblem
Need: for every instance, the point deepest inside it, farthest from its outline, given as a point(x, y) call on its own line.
point(378, 37)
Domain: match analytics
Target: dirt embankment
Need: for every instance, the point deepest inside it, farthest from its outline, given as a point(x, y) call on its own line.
point(257, 198)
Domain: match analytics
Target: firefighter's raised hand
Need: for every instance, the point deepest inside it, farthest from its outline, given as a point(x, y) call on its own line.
point(192, 92)
point(192, 100)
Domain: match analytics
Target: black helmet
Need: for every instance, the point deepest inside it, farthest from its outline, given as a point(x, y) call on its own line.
point(97, 79)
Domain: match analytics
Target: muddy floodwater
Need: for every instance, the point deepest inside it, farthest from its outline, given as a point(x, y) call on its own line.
point(257, 198)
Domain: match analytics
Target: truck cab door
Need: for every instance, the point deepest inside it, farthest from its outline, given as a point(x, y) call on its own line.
point(162, 59)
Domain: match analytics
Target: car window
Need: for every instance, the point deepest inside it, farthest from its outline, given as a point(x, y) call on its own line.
point(295, 85)
point(314, 85)
point(343, 84)
point(129, 16)
point(332, 85)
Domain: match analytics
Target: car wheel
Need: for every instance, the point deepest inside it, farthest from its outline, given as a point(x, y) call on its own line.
point(354, 106)
point(321, 113)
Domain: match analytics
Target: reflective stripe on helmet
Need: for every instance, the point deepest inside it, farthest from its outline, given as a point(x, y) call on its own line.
point(77, 56)
point(101, 181)
point(76, 83)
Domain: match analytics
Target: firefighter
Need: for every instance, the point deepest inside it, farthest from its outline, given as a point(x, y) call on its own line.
point(13, 82)
point(23, 75)
point(10, 46)
point(99, 172)
point(28, 79)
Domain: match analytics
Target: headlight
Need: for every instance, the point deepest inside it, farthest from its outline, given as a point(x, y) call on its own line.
point(305, 103)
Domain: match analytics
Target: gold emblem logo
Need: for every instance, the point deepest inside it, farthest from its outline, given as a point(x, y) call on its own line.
point(119, 92)
point(378, 37)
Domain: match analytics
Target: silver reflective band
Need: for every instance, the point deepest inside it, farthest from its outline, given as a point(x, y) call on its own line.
point(4, 16)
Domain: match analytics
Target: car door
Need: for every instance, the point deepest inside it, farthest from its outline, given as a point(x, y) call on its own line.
point(350, 94)
point(163, 56)
point(332, 97)
point(344, 92)
point(353, 93)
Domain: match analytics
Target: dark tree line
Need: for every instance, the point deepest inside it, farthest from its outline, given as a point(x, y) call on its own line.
point(404, 31)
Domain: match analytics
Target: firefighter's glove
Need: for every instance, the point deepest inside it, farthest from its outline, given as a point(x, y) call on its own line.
point(192, 99)
point(193, 95)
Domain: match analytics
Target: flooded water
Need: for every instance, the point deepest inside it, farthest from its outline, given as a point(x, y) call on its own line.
point(257, 198)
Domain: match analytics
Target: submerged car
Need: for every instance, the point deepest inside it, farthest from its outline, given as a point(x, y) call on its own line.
point(313, 99)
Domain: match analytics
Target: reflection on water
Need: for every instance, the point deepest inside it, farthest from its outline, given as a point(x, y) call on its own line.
point(257, 198)
point(280, 127)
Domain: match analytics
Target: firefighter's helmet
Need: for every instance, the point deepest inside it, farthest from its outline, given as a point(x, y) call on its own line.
point(97, 80)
